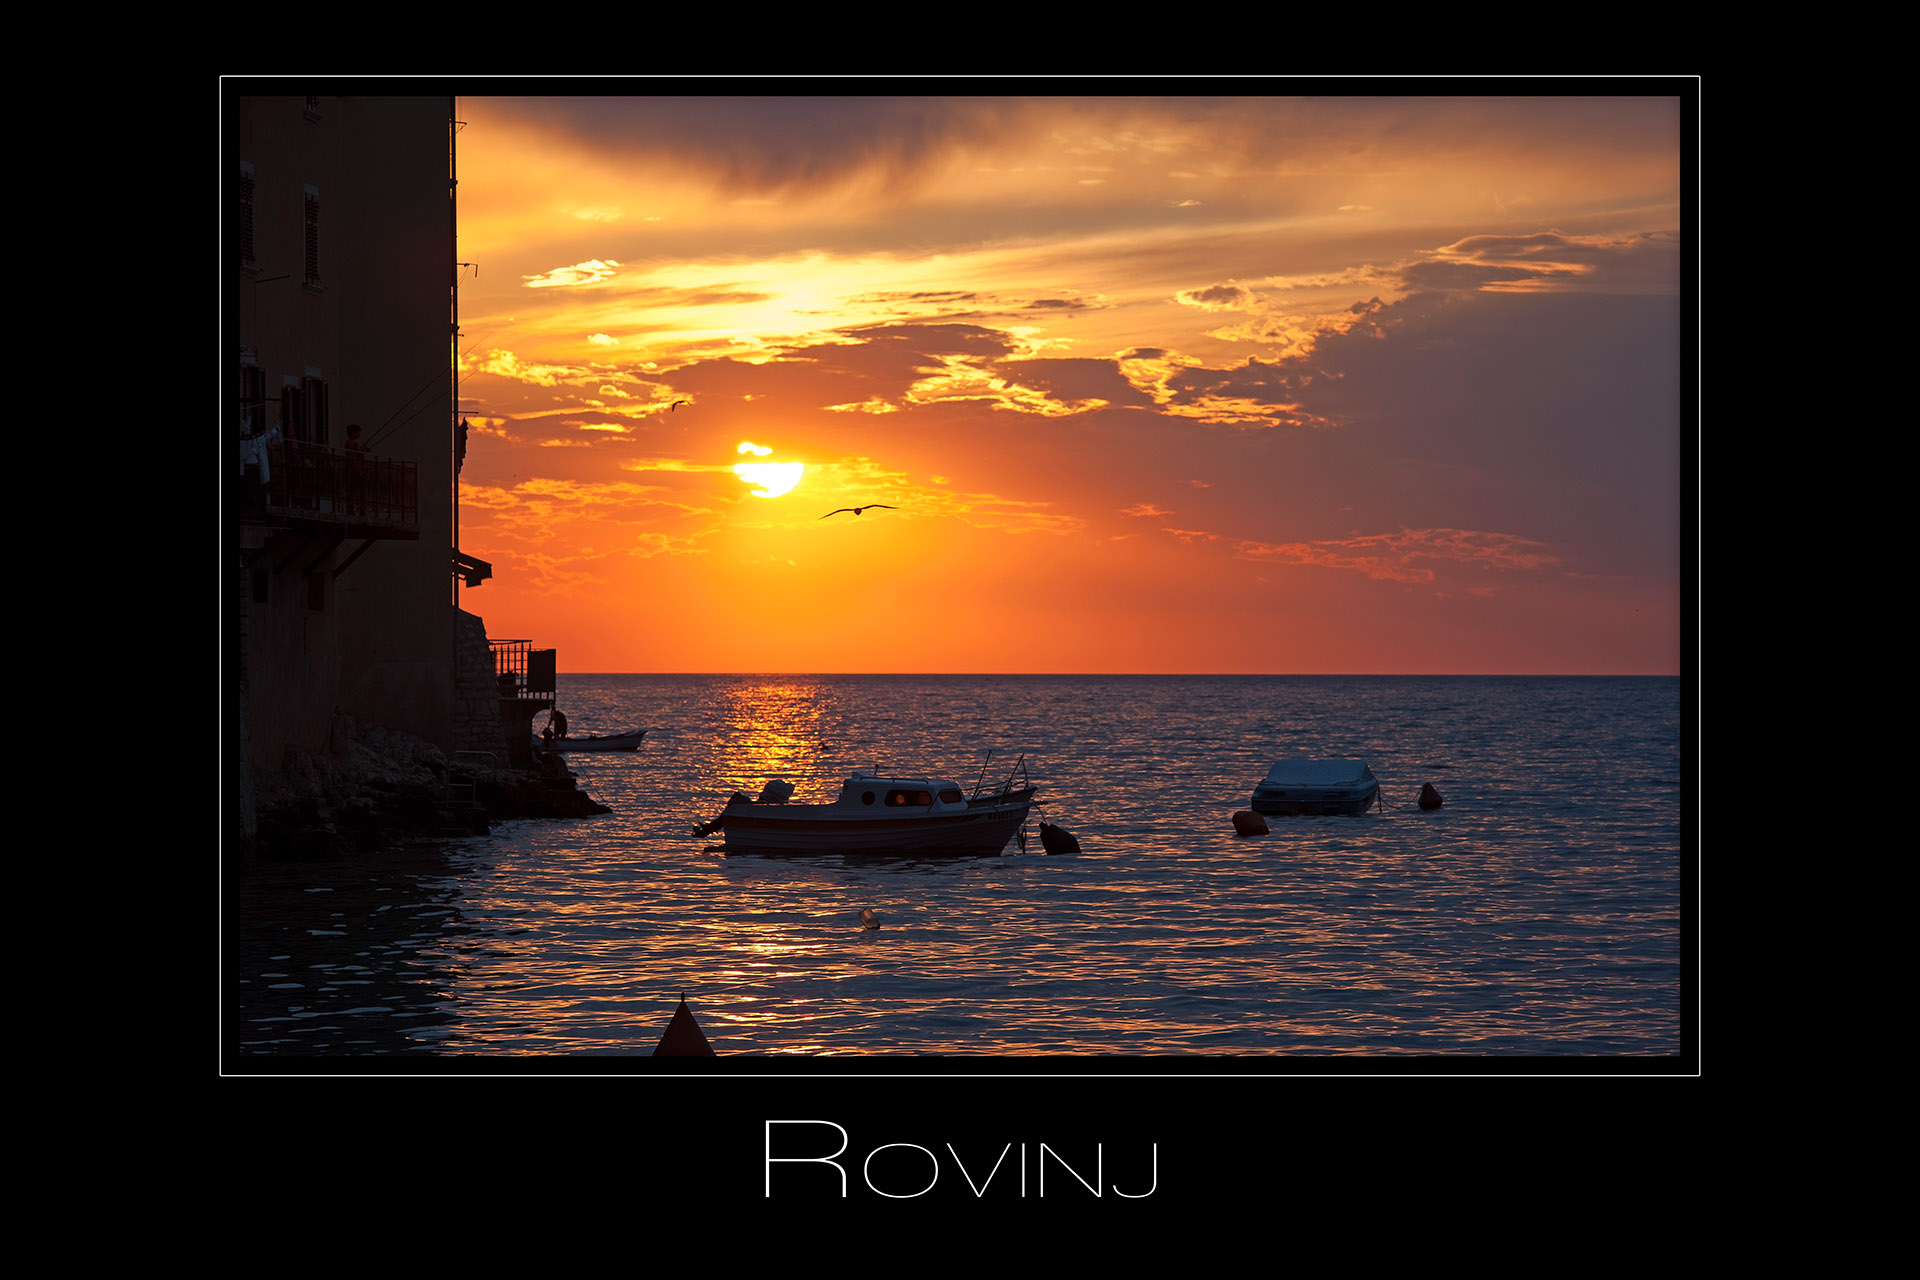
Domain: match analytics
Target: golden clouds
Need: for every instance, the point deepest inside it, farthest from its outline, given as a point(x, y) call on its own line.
point(591, 272)
point(1010, 317)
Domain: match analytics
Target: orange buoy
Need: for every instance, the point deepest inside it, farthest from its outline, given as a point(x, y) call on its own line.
point(1429, 798)
point(683, 1038)
point(1248, 823)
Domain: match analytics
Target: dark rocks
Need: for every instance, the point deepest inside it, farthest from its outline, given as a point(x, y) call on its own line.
point(373, 789)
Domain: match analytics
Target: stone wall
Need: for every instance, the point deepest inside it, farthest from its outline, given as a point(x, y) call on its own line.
point(476, 695)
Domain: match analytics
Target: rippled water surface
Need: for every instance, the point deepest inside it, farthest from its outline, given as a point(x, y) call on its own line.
point(1537, 913)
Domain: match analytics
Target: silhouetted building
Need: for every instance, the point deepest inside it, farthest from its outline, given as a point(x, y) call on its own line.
point(342, 304)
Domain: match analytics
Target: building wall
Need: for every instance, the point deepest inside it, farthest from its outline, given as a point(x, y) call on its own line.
point(293, 660)
point(400, 639)
point(378, 641)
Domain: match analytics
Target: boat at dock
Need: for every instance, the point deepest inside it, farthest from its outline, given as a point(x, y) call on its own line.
point(1304, 787)
point(876, 813)
point(594, 742)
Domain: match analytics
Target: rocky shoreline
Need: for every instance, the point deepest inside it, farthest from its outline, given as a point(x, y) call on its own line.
point(375, 786)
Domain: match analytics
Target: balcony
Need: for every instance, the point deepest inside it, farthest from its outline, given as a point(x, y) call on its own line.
point(526, 679)
point(359, 495)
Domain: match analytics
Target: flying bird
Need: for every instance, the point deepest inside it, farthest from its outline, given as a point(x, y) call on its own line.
point(676, 404)
point(857, 510)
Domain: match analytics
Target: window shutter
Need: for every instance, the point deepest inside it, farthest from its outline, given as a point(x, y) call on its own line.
point(290, 411)
point(315, 393)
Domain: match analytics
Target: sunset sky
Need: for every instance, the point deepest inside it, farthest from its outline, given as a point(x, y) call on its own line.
point(1155, 384)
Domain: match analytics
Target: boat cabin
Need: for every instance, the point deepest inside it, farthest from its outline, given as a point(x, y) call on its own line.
point(868, 790)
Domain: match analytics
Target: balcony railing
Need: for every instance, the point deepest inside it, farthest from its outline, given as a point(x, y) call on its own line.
point(522, 671)
point(313, 482)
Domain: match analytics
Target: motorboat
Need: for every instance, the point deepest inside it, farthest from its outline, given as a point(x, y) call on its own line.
point(876, 813)
point(1316, 787)
point(594, 741)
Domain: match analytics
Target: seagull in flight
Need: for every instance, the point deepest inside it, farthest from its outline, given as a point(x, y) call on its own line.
point(676, 404)
point(857, 510)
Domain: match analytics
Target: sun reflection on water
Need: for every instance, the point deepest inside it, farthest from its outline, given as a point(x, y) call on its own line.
point(780, 727)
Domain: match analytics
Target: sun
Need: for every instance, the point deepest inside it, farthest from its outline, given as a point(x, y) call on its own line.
point(770, 478)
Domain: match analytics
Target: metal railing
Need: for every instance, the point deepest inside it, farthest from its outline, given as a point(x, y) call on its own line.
point(510, 665)
point(314, 481)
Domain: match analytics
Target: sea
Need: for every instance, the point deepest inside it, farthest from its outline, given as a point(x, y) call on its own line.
point(1543, 916)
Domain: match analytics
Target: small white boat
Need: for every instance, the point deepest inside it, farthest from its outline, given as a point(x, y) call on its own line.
point(876, 814)
point(1316, 786)
point(594, 741)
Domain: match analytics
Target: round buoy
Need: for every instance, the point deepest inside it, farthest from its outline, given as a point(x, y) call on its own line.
point(1429, 798)
point(1248, 823)
point(1058, 839)
point(868, 920)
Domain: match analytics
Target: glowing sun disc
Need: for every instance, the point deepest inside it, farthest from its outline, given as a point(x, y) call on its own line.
point(773, 478)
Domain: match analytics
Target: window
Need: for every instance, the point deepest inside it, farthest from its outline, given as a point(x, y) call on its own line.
point(253, 398)
point(950, 796)
point(313, 237)
point(898, 798)
point(293, 411)
point(313, 392)
point(246, 215)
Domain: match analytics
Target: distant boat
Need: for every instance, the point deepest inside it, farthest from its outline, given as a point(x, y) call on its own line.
point(1316, 787)
point(594, 741)
point(876, 814)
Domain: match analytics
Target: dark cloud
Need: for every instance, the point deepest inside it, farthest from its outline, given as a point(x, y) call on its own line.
point(762, 144)
point(1257, 380)
point(1068, 380)
point(1642, 262)
point(1553, 415)
point(1470, 275)
point(918, 295)
point(880, 364)
point(1218, 295)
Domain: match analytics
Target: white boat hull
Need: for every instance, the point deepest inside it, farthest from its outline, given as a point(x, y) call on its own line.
point(977, 833)
point(595, 742)
point(980, 827)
